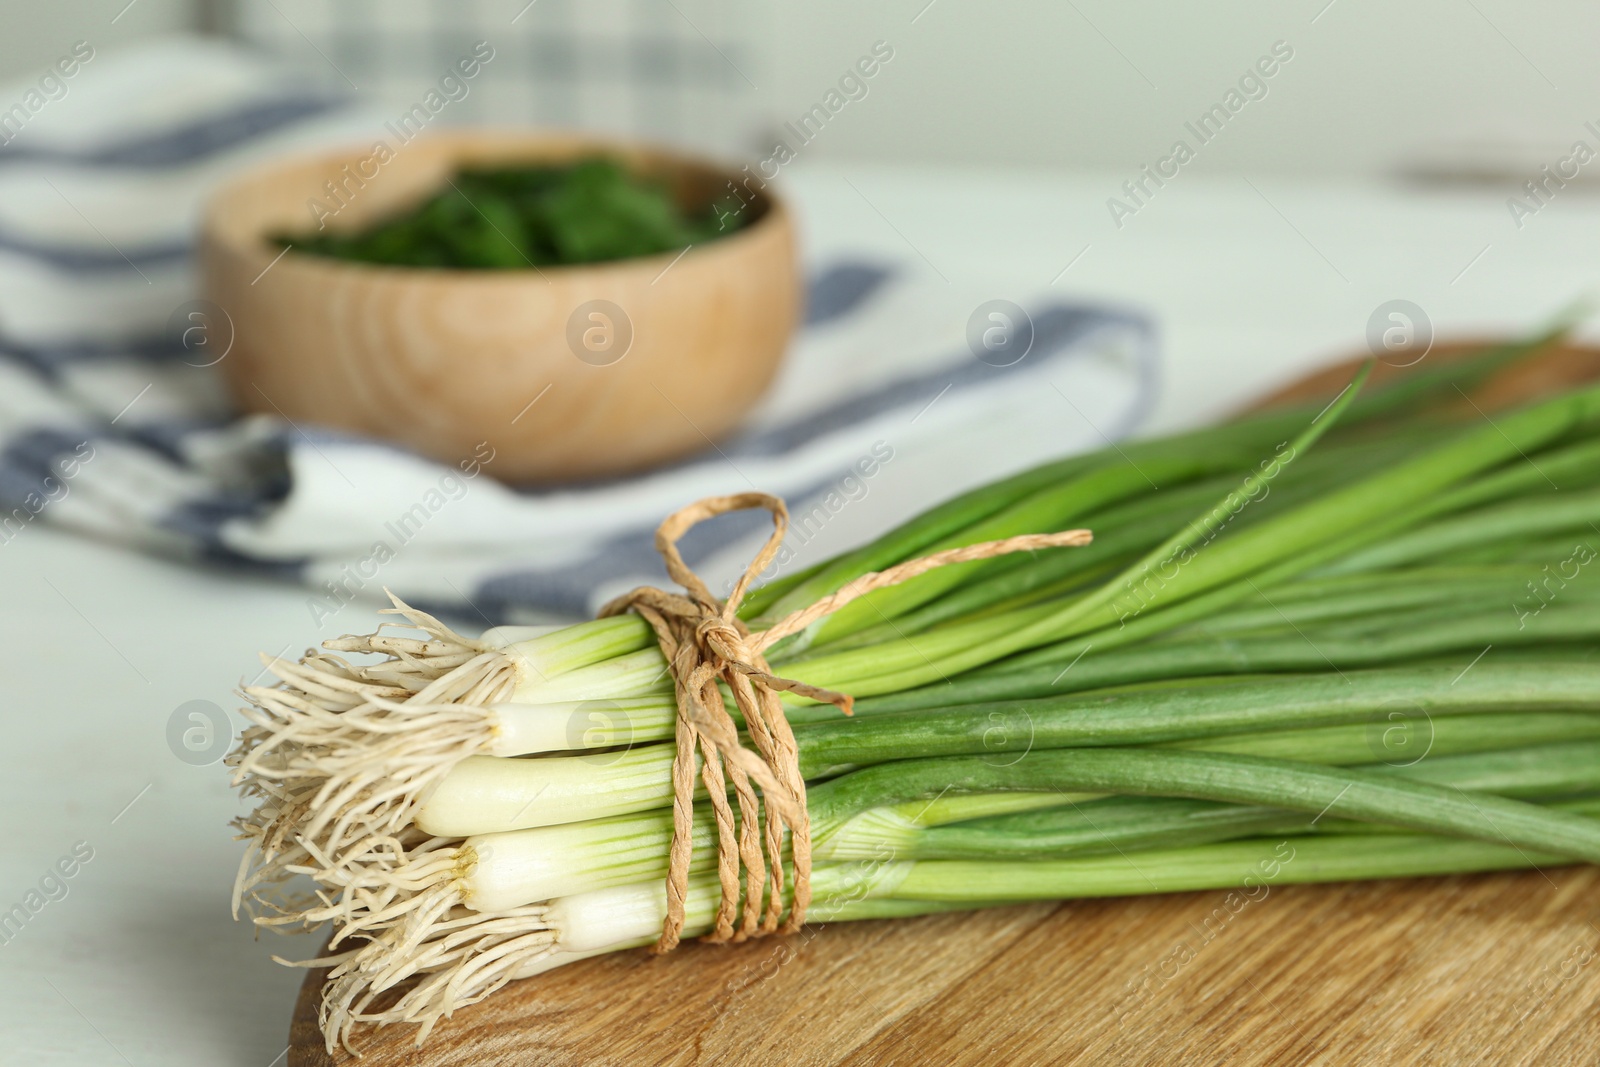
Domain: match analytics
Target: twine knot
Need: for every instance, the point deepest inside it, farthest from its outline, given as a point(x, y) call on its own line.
point(707, 647)
point(723, 636)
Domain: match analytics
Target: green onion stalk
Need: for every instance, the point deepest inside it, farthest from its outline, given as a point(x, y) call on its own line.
point(1351, 641)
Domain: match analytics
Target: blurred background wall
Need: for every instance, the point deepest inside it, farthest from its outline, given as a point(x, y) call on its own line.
point(1460, 89)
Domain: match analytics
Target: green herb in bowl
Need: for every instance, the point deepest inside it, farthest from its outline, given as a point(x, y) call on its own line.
point(510, 218)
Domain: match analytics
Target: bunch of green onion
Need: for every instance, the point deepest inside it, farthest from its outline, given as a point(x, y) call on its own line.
point(1276, 662)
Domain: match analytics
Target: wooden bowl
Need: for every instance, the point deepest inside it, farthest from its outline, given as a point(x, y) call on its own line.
point(565, 373)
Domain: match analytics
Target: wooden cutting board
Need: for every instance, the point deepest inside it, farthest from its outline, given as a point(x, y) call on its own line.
point(1491, 969)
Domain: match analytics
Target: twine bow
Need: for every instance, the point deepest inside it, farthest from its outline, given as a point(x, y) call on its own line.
point(705, 643)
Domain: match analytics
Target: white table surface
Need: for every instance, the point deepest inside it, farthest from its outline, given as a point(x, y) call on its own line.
point(141, 964)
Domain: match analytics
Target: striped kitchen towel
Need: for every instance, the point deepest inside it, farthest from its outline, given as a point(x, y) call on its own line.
point(897, 392)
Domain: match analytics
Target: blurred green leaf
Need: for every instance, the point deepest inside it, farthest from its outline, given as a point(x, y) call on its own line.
point(591, 211)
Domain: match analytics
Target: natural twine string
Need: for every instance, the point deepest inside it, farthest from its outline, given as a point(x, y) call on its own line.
point(704, 643)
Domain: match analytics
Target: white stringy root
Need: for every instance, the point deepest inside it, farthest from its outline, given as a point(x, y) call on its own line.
point(464, 957)
point(398, 905)
point(442, 956)
point(338, 752)
point(383, 883)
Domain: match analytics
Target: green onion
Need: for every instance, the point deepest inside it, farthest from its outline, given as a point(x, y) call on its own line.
point(1328, 642)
